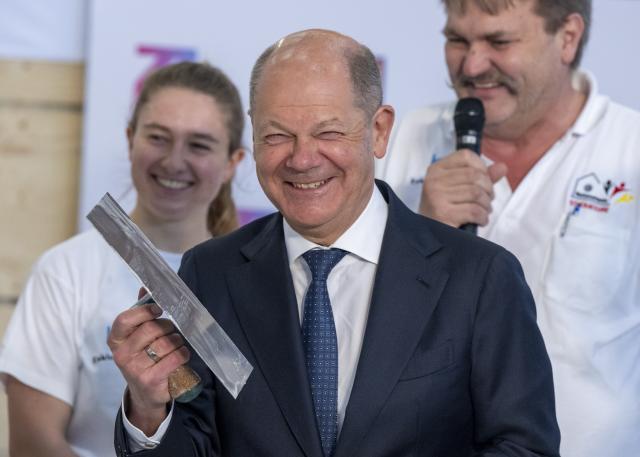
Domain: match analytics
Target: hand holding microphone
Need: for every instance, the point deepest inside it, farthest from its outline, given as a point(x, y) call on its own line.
point(458, 189)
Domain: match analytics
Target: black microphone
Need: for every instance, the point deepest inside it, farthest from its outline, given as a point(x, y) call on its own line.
point(469, 121)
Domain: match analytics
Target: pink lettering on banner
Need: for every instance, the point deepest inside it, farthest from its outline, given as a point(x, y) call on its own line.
point(161, 56)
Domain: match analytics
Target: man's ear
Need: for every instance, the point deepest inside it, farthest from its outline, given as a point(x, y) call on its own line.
point(570, 35)
point(382, 125)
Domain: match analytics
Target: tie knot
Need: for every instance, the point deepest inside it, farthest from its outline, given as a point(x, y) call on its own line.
point(322, 261)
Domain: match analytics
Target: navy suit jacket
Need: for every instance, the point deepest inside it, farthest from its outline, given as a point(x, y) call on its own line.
point(452, 363)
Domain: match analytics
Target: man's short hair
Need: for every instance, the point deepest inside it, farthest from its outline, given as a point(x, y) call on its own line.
point(554, 13)
point(363, 70)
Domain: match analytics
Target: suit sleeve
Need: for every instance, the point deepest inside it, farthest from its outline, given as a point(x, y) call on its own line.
point(192, 431)
point(511, 378)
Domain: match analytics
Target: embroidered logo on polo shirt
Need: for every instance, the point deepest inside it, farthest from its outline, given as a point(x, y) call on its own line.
point(589, 192)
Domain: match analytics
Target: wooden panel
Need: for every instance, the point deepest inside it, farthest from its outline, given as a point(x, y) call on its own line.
point(40, 137)
point(5, 314)
point(42, 82)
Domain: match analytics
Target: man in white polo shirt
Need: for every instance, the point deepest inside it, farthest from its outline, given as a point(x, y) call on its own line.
point(558, 185)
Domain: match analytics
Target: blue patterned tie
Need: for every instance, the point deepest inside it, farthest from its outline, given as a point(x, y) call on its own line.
point(321, 345)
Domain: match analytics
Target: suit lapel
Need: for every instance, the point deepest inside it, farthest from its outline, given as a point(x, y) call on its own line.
point(407, 287)
point(262, 293)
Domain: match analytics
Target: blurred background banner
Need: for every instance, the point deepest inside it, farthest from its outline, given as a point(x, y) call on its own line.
point(121, 41)
point(128, 39)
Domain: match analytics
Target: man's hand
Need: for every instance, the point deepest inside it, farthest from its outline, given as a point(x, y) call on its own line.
point(458, 189)
point(136, 335)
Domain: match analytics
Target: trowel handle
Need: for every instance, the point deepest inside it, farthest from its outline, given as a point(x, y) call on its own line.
point(184, 383)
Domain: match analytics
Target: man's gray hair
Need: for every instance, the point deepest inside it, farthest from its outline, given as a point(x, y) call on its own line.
point(363, 70)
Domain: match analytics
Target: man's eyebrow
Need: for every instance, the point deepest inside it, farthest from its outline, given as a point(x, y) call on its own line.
point(500, 34)
point(275, 124)
point(328, 122)
point(155, 125)
point(450, 31)
point(319, 125)
point(447, 30)
point(205, 136)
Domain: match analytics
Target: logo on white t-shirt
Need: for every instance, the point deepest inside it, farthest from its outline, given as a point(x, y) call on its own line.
point(589, 192)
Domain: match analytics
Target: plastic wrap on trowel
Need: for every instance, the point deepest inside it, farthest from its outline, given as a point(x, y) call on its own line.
point(193, 320)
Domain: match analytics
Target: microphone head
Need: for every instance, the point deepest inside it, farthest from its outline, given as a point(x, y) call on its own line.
point(469, 115)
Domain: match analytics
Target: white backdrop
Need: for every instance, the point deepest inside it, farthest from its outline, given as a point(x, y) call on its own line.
point(119, 29)
point(42, 29)
point(122, 39)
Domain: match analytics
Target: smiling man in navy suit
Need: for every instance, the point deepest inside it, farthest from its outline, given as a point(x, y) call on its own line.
point(372, 331)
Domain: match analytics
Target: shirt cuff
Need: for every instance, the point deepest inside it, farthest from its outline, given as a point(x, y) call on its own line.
point(136, 439)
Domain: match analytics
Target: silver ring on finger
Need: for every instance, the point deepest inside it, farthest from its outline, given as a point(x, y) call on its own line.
point(152, 354)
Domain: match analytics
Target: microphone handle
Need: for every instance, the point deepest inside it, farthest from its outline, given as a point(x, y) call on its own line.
point(469, 140)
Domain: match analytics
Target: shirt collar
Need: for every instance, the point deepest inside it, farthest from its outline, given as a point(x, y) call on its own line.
point(595, 107)
point(363, 238)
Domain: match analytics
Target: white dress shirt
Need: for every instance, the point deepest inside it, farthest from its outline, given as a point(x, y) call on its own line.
point(350, 285)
